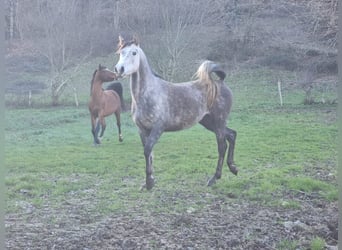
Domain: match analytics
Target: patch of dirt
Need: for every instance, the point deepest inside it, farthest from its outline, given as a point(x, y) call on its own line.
point(223, 224)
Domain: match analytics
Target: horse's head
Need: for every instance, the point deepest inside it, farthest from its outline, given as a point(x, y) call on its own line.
point(129, 57)
point(105, 75)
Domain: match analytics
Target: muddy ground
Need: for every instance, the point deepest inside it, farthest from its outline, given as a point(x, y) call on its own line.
point(223, 224)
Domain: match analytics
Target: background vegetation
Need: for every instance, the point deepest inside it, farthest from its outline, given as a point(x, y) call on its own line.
point(51, 43)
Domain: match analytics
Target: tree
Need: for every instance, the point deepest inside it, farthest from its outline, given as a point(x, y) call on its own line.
point(179, 22)
point(325, 21)
point(59, 30)
point(11, 19)
point(59, 20)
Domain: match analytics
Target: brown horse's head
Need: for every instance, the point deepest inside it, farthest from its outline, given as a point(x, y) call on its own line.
point(101, 75)
point(104, 74)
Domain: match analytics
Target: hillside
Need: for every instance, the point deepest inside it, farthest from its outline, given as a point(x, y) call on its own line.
point(295, 36)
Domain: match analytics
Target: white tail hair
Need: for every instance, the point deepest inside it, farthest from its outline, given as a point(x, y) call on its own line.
point(203, 75)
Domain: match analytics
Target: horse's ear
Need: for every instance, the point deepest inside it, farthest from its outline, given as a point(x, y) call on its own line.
point(135, 40)
point(100, 66)
point(121, 41)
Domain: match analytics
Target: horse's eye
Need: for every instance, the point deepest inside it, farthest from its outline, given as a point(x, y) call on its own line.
point(134, 53)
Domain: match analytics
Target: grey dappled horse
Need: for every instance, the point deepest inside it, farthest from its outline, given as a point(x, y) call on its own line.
point(159, 106)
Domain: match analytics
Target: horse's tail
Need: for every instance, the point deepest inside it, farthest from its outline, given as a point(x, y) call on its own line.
point(117, 87)
point(203, 75)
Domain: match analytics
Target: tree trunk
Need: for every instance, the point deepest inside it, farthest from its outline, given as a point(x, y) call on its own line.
point(11, 19)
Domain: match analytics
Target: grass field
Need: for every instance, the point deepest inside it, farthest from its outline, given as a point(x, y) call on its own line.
point(282, 153)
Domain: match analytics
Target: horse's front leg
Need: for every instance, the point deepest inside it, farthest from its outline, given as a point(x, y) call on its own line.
point(148, 142)
point(102, 121)
point(95, 130)
point(222, 147)
point(118, 123)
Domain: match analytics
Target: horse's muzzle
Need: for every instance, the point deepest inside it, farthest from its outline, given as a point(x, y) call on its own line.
point(119, 70)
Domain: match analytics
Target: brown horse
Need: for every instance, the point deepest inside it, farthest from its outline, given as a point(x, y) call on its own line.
point(159, 106)
point(103, 103)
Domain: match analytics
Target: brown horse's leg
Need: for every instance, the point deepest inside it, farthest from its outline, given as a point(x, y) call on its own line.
point(102, 121)
point(231, 137)
point(222, 148)
point(94, 130)
point(118, 123)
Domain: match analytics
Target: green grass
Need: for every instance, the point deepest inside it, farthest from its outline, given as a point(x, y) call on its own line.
point(317, 244)
point(279, 151)
point(287, 245)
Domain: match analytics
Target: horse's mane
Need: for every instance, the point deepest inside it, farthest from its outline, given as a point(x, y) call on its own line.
point(92, 81)
point(157, 75)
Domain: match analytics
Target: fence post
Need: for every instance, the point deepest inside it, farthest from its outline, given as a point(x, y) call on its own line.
point(279, 92)
point(76, 98)
point(30, 97)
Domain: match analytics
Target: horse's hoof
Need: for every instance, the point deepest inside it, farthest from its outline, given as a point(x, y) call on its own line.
point(233, 169)
point(120, 139)
point(149, 183)
point(211, 181)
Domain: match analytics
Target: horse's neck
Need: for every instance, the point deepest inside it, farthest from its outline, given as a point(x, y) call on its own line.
point(141, 78)
point(97, 88)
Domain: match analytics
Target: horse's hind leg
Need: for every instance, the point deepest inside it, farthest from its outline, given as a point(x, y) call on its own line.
point(231, 137)
point(118, 123)
point(102, 121)
point(211, 124)
point(223, 134)
point(222, 148)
